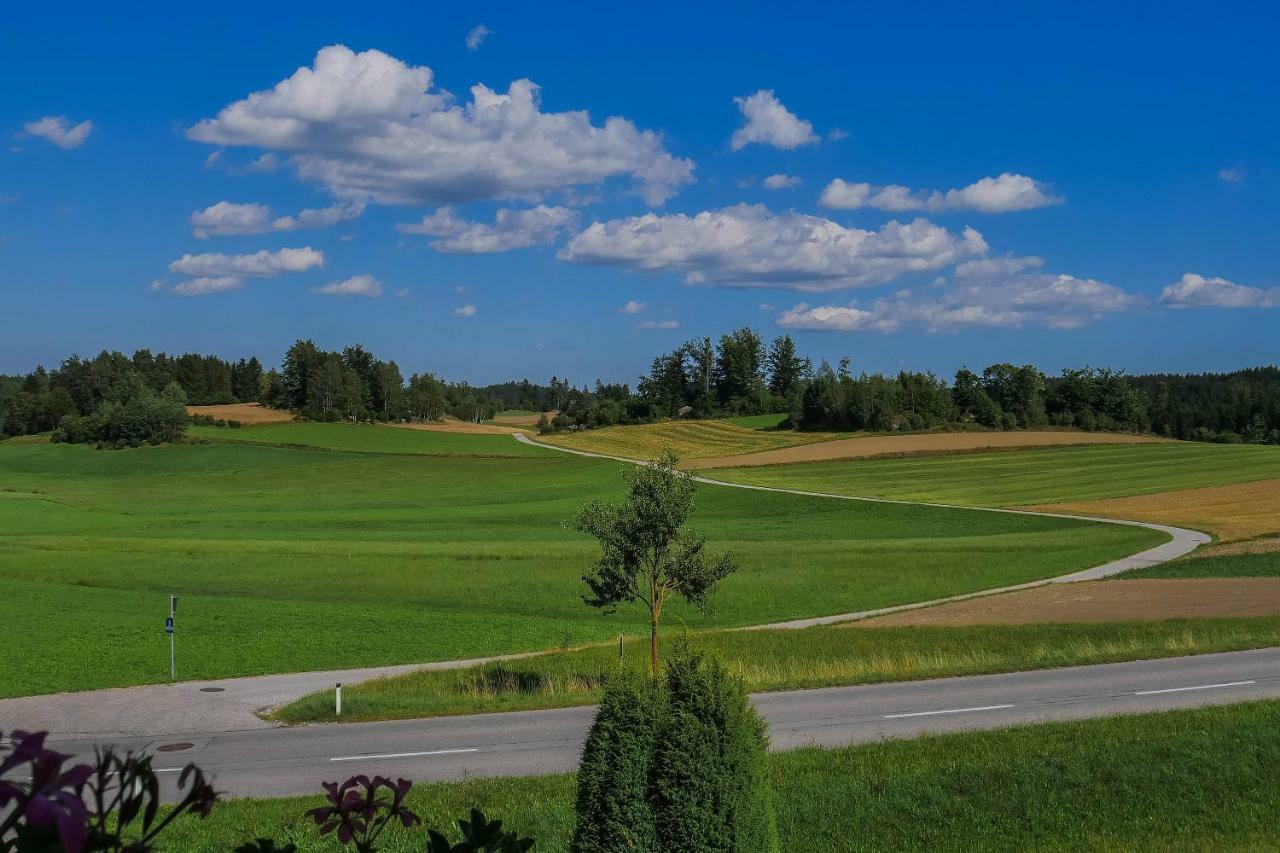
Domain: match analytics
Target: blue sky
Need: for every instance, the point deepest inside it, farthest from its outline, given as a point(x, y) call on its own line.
point(1020, 182)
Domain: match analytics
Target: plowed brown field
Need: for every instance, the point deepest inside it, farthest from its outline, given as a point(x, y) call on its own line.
point(455, 425)
point(245, 413)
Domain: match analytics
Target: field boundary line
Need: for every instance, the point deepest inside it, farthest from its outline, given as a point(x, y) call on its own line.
point(1181, 542)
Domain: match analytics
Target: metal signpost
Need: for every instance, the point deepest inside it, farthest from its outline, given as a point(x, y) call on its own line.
point(168, 629)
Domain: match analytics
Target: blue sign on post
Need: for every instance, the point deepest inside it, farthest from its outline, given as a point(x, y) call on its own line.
point(168, 625)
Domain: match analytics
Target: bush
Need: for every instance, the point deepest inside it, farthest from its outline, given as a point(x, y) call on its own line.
point(709, 781)
point(678, 766)
point(613, 777)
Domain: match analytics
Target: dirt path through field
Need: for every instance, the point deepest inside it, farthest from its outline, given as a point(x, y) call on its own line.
point(248, 414)
point(920, 443)
point(1102, 601)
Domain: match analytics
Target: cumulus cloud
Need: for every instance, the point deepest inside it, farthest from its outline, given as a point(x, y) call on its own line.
point(226, 218)
point(511, 229)
point(477, 35)
point(781, 182)
point(748, 246)
point(368, 126)
point(658, 324)
point(1231, 175)
point(358, 285)
point(1196, 291)
point(465, 311)
point(986, 293)
point(632, 307)
point(770, 123)
point(60, 131)
point(205, 285)
point(263, 264)
point(1005, 193)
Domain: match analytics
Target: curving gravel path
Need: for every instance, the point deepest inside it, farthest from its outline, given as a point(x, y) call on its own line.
point(1181, 541)
point(232, 704)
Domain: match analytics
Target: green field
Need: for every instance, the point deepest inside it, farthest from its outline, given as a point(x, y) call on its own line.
point(1183, 780)
point(369, 438)
point(789, 660)
point(1020, 477)
point(393, 548)
point(1265, 565)
point(689, 439)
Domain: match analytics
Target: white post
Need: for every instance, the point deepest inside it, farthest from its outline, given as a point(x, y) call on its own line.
point(173, 609)
point(337, 699)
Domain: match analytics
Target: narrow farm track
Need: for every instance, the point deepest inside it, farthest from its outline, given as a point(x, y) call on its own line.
point(233, 704)
point(1181, 541)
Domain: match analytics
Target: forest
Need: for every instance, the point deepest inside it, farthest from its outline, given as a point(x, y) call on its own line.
point(118, 400)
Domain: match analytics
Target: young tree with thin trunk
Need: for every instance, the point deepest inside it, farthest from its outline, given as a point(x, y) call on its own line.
point(645, 556)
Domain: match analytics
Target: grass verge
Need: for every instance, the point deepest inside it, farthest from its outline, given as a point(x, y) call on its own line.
point(786, 660)
point(1182, 780)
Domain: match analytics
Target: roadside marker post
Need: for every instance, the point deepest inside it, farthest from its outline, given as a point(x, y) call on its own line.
point(622, 650)
point(168, 629)
point(337, 699)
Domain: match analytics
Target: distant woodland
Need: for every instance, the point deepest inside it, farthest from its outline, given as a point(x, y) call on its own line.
point(118, 400)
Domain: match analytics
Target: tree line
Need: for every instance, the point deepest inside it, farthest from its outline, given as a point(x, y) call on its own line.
point(739, 374)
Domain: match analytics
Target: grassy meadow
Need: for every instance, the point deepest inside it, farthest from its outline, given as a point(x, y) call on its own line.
point(1013, 478)
point(1183, 780)
point(312, 546)
point(788, 660)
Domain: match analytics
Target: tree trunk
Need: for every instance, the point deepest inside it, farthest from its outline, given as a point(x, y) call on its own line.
point(653, 642)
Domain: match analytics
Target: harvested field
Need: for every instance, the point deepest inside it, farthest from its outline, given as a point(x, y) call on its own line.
point(915, 444)
point(454, 425)
point(1240, 511)
point(1101, 601)
point(691, 440)
point(245, 413)
point(1265, 545)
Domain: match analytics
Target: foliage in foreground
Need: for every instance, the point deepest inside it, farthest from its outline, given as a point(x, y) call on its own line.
point(678, 765)
point(113, 806)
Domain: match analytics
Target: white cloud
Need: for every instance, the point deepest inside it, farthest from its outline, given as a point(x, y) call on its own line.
point(465, 311)
point(1003, 194)
point(748, 246)
point(658, 324)
point(358, 285)
point(835, 134)
point(60, 131)
point(1196, 291)
point(226, 218)
point(477, 35)
point(367, 125)
point(632, 307)
point(1231, 175)
point(511, 229)
point(770, 123)
point(266, 163)
point(205, 285)
point(263, 264)
point(781, 182)
point(987, 293)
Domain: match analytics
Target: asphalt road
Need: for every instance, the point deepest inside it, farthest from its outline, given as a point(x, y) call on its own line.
point(286, 761)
